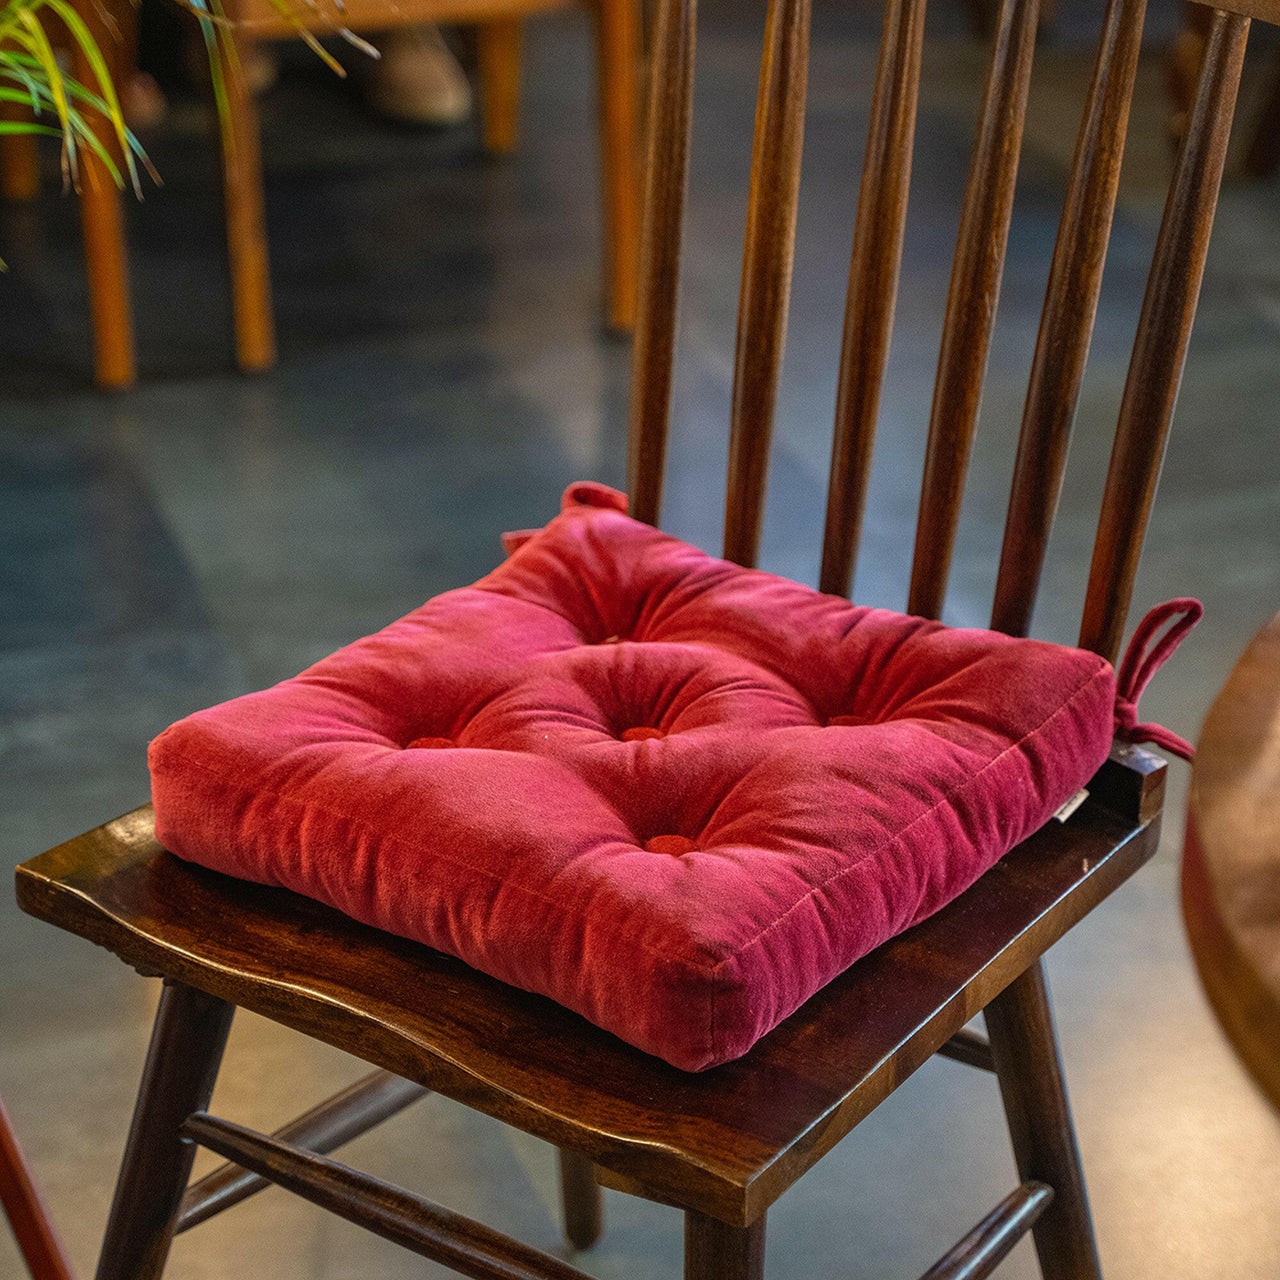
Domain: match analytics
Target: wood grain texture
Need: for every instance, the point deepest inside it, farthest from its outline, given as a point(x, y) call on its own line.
point(990, 1242)
point(716, 1251)
point(182, 1064)
point(1066, 324)
point(335, 1122)
point(427, 1229)
point(1160, 348)
point(971, 302)
point(873, 287)
point(1025, 1048)
point(37, 1241)
point(670, 121)
point(580, 1200)
point(1231, 858)
point(725, 1142)
point(766, 271)
point(617, 26)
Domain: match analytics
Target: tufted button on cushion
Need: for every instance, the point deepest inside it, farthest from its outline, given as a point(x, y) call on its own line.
point(674, 845)
point(847, 771)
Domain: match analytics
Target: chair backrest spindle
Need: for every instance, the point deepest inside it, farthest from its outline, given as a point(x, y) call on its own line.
point(873, 286)
point(1066, 325)
point(971, 302)
point(670, 120)
point(766, 270)
point(1160, 349)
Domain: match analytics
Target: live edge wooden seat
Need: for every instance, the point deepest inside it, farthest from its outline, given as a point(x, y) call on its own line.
point(723, 1145)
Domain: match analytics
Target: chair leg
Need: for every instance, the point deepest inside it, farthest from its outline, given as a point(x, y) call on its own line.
point(102, 220)
point(182, 1065)
point(580, 1198)
point(246, 218)
point(1025, 1048)
point(713, 1250)
point(37, 1242)
point(498, 47)
point(617, 48)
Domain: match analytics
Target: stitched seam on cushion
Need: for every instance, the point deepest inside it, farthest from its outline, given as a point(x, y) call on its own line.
point(889, 843)
point(297, 802)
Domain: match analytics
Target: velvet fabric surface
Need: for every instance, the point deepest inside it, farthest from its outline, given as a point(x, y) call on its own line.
point(675, 795)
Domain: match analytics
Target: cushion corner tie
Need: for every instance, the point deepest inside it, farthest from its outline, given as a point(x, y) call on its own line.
point(1143, 658)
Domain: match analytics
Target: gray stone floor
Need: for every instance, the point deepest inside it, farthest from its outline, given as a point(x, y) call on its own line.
point(443, 376)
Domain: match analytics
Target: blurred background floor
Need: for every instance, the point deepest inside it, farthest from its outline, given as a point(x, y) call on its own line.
point(442, 378)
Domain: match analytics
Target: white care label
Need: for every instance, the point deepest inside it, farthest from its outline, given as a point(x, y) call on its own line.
point(1072, 805)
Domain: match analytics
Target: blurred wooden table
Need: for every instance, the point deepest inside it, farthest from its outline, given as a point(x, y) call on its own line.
point(1231, 860)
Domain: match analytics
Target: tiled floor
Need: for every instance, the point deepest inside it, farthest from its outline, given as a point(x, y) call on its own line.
point(443, 376)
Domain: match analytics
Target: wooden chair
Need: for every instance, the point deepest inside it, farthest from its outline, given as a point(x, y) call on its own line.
point(498, 26)
point(114, 29)
point(37, 1241)
point(724, 1144)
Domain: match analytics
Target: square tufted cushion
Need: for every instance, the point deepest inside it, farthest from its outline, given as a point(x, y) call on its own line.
point(675, 795)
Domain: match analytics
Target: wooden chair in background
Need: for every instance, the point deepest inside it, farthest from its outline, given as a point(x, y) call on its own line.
point(498, 28)
point(101, 214)
point(37, 1241)
point(498, 25)
point(725, 1144)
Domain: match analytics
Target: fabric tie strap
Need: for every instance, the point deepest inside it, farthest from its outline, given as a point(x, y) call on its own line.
point(1143, 658)
point(585, 493)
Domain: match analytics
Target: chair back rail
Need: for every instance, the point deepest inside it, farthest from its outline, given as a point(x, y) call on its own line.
point(873, 287)
point(1160, 349)
point(971, 302)
point(766, 270)
point(1066, 323)
point(670, 121)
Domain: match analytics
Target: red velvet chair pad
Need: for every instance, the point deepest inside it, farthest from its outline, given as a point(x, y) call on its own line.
point(672, 794)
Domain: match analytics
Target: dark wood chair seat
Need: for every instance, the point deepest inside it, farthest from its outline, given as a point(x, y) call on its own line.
point(708, 1141)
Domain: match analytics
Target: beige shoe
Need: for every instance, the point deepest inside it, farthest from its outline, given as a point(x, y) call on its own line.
point(142, 101)
point(417, 80)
